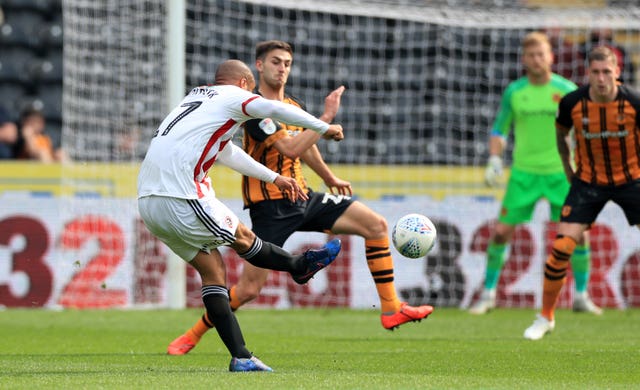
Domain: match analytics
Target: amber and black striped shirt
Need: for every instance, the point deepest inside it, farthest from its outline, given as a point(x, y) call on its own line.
point(607, 150)
point(259, 145)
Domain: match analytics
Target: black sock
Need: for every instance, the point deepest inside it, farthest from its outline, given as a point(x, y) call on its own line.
point(216, 301)
point(267, 255)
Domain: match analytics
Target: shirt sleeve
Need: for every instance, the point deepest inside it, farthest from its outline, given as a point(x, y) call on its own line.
point(238, 160)
point(563, 116)
point(286, 113)
point(502, 123)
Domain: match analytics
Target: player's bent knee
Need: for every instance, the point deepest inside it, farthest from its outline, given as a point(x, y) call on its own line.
point(375, 227)
point(244, 238)
point(502, 233)
point(248, 292)
point(380, 228)
point(563, 247)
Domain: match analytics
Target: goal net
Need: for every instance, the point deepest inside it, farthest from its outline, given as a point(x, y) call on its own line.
point(114, 97)
point(424, 81)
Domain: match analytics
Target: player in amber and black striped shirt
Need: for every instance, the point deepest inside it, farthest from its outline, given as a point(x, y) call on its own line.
point(607, 145)
point(260, 137)
point(605, 117)
point(280, 147)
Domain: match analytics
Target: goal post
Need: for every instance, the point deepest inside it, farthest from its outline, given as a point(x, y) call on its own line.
point(176, 44)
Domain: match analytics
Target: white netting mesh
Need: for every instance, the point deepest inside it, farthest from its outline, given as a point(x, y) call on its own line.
point(114, 84)
point(430, 76)
point(114, 98)
point(423, 81)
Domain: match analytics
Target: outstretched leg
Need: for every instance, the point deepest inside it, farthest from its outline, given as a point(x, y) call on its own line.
point(361, 220)
point(267, 255)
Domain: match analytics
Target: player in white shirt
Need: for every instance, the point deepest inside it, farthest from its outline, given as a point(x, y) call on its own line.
point(178, 205)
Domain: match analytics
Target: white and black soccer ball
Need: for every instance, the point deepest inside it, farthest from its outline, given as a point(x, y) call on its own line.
point(414, 235)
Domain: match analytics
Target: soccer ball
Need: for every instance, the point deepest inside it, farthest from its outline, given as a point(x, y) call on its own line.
point(414, 235)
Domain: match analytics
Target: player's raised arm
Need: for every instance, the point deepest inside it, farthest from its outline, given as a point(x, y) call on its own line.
point(332, 104)
point(334, 132)
point(312, 156)
point(286, 113)
point(331, 107)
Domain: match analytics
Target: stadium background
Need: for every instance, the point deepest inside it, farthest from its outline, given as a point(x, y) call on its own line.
point(423, 84)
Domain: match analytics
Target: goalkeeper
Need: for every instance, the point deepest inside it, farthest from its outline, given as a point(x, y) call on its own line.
point(530, 104)
point(274, 218)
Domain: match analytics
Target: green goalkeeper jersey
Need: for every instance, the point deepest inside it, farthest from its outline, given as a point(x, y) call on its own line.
point(531, 109)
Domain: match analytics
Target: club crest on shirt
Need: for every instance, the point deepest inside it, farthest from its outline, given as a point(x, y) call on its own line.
point(556, 98)
point(268, 126)
point(566, 210)
point(228, 221)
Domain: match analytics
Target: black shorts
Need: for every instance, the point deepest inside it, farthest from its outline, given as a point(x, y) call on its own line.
point(276, 220)
point(585, 201)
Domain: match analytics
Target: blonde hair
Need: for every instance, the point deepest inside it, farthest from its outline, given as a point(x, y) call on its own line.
point(535, 38)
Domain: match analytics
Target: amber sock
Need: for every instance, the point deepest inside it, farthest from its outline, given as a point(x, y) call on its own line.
point(381, 266)
point(555, 274)
point(199, 328)
point(234, 302)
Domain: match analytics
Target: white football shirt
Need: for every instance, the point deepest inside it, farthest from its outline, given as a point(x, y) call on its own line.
point(189, 139)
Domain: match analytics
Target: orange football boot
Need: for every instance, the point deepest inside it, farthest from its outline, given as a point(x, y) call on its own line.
point(181, 346)
point(405, 314)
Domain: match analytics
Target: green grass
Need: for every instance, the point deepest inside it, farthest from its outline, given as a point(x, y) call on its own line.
point(330, 349)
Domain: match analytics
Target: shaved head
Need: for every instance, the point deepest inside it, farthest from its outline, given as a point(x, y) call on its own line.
point(232, 72)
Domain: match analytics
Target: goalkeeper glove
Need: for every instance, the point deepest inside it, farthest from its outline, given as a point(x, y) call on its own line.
point(494, 171)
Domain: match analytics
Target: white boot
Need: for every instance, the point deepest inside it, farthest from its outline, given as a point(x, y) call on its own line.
point(583, 303)
point(539, 328)
point(486, 302)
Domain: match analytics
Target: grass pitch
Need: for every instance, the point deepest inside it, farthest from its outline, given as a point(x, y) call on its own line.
point(320, 349)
